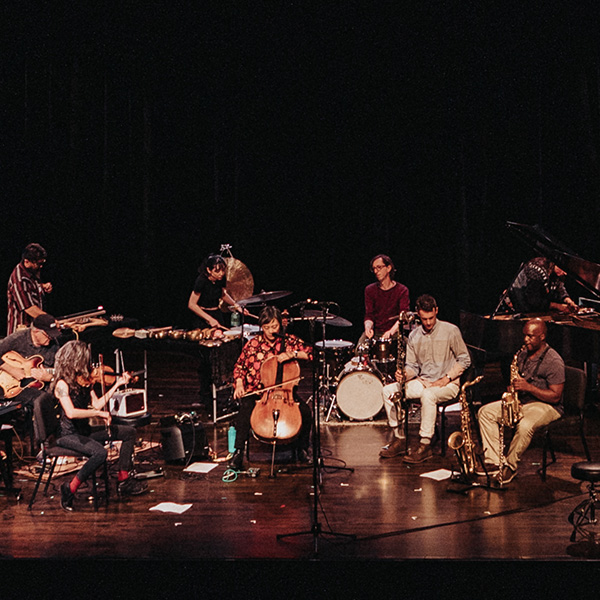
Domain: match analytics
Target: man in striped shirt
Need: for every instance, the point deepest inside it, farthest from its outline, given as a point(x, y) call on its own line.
point(25, 289)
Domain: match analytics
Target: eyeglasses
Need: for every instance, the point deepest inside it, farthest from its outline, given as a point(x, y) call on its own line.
point(379, 267)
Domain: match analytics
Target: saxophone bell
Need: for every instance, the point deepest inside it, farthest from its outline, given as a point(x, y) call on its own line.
point(463, 441)
point(456, 440)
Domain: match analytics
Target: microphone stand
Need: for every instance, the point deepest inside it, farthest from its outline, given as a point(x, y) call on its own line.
point(316, 529)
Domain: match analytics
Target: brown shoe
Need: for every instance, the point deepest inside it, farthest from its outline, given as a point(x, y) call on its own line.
point(507, 475)
point(396, 448)
point(419, 454)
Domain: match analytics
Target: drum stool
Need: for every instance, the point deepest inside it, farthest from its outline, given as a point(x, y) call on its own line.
point(584, 514)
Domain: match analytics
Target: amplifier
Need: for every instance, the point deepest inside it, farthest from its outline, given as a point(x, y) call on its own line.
point(182, 441)
point(128, 403)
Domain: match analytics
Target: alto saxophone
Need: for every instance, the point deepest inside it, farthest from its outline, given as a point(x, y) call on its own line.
point(512, 412)
point(462, 442)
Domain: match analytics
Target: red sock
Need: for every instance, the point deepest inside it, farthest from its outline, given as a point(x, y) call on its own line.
point(74, 485)
point(122, 476)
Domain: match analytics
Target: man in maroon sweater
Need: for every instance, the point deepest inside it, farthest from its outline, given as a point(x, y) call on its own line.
point(384, 301)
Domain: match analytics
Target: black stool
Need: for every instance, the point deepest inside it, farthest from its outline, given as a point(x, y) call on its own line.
point(585, 513)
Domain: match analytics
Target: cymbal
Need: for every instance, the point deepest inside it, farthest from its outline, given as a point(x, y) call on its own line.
point(334, 320)
point(263, 297)
point(240, 283)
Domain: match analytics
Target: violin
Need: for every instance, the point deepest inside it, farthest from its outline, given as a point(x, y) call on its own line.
point(105, 376)
point(276, 416)
point(100, 374)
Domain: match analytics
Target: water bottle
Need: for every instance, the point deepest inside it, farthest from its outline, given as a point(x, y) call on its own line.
point(236, 319)
point(231, 439)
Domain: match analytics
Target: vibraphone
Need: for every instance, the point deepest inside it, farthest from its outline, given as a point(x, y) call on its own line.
point(221, 355)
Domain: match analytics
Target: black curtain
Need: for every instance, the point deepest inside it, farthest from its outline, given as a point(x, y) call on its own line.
point(138, 141)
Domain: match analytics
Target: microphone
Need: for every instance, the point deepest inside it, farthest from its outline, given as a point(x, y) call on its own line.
point(328, 306)
point(303, 303)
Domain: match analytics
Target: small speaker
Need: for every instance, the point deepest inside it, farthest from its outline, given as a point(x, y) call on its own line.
point(128, 403)
point(182, 441)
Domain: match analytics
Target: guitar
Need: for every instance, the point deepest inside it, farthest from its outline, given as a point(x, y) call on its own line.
point(11, 385)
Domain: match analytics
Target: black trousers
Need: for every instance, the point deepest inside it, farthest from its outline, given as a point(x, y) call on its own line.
point(242, 422)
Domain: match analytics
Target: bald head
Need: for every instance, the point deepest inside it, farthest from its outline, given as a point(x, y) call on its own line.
point(534, 334)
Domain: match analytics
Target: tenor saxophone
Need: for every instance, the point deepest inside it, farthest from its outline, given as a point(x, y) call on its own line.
point(462, 442)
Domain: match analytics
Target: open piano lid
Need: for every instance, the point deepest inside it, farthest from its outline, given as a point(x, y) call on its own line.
point(585, 272)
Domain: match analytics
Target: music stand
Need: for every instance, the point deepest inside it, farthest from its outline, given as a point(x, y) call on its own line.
point(316, 529)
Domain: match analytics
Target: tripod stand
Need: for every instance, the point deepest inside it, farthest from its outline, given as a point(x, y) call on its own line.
point(316, 529)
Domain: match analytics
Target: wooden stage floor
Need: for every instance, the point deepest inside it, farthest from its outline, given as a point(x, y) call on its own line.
point(392, 511)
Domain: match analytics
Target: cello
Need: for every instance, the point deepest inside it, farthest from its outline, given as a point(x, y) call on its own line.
point(276, 416)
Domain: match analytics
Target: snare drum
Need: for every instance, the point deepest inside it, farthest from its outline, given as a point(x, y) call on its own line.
point(359, 392)
point(337, 353)
point(383, 351)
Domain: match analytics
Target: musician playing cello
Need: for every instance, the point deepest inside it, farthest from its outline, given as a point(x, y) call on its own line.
point(271, 341)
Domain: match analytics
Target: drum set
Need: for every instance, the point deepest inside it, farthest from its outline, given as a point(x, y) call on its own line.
point(353, 380)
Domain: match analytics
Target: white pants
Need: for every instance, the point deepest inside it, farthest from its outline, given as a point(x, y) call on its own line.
point(430, 396)
point(535, 415)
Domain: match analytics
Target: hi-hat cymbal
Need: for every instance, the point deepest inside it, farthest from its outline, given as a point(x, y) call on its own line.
point(334, 320)
point(264, 297)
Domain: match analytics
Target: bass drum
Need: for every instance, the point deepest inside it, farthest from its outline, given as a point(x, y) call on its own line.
point(359, 393)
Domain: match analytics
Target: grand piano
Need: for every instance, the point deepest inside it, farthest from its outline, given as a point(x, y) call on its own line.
point(576, 337)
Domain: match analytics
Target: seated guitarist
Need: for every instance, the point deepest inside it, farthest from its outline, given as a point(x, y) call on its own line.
point(25, 356)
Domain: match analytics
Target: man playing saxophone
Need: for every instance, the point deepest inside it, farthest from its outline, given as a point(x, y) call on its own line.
point(436, 356)
point(539, 384)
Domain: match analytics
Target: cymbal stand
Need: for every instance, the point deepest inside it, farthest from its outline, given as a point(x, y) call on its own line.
point(327, 400)
point(316, 529)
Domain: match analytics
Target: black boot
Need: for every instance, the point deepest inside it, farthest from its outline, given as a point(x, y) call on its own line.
point(131, 487)
point(237, 460)
point(66, 497)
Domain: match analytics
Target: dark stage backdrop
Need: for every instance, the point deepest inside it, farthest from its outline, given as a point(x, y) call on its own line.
point(309, 136)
